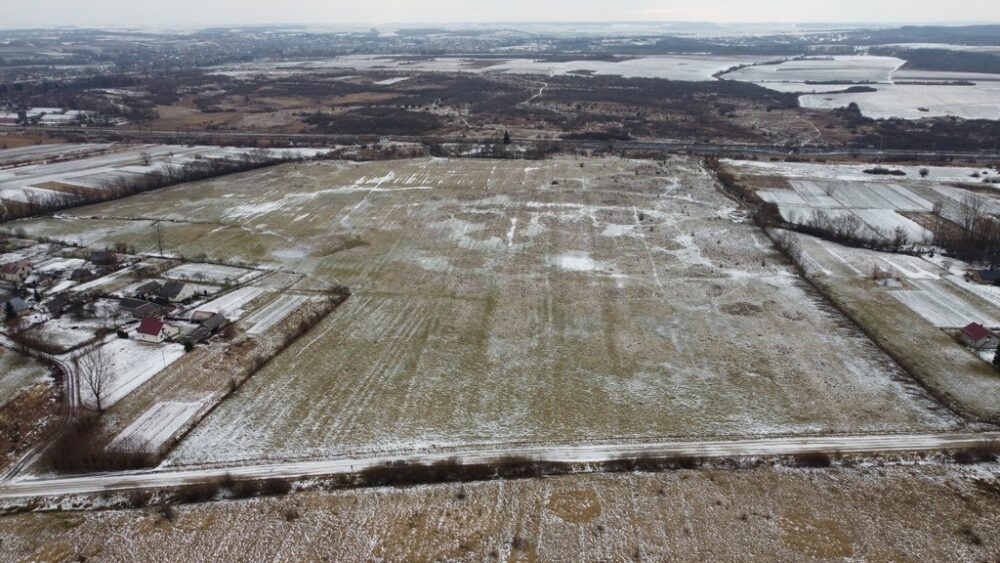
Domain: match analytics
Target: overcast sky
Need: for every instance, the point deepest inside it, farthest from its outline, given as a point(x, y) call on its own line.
point(198, 12)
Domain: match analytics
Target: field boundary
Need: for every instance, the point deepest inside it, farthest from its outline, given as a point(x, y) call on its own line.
point(593, 457)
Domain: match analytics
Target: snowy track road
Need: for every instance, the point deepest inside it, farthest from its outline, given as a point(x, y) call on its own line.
point(153, 479)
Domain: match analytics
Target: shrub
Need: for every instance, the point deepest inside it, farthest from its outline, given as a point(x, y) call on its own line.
point(245, 489)
point(167, 511)
point(79, 450)
point(275, 487)
point(984, 452)
point(199, 492)
point(813, 459)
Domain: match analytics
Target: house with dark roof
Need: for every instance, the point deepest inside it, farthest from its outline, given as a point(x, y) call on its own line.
point(989, 277)
point(103, 257)
point(176, 291)
point(215, 322)
point(81, 275)
point(15, 272)
point(58, 304)
point(147, 289)
point(978, 337)
point(139, 308)
point(16, 307)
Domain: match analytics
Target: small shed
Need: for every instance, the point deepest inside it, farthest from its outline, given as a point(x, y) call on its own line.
point(979, 337)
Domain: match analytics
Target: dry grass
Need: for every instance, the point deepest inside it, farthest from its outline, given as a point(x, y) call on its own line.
point(915, 513)
point(506, 301)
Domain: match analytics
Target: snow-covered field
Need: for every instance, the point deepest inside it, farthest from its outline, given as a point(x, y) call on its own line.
point(94, 171)
point(855, 172)
point(878, 201)
point(893, 97)
point(822, 69)
point(156, 426)
point(909, 101)
point(210, 273)
point(232, 304)
point(131, 363)
point(943, 306)
point(275, 312)
point(670, 67)
point(509, 309)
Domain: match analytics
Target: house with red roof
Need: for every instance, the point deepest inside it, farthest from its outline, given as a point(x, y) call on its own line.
point(155, 331)
point(979, 337)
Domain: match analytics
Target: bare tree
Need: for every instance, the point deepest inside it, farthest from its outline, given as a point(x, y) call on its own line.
point(94, 371)
point(972, 212)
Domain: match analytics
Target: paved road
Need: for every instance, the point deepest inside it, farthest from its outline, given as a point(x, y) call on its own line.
point(722, 149)
point(26, 487)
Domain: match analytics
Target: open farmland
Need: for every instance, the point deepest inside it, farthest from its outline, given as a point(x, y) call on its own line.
point(563, 300)
point(669, 67)
point(894, 513)
point(507, 302)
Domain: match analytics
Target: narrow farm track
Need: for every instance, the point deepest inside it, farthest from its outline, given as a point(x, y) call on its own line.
point(583, 454)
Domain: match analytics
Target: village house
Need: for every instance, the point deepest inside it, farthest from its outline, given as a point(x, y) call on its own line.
point(58, 304)
point(155, 331)
point(147, 290)
point(81, 275)
point(103, 258)
point(15, 307)
point(988, 277)
point(979, 337)
point(175, 291)
point(15, 272)
point(140, 309)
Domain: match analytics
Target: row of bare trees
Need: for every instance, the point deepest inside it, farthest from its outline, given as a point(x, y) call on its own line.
point(977, 236)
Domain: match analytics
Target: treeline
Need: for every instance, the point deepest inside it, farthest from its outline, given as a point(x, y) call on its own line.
point(376, 121)
point(122, 186)
point(932, 134)
point(950, 60)
point(974, 236)
point(847, 229)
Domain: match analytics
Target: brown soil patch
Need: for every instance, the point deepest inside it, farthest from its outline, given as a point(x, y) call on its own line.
point(15, 141)
point(26, 421)
point(575, 507)
point(361, 98)
point(742, 309)
point(816, 537)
